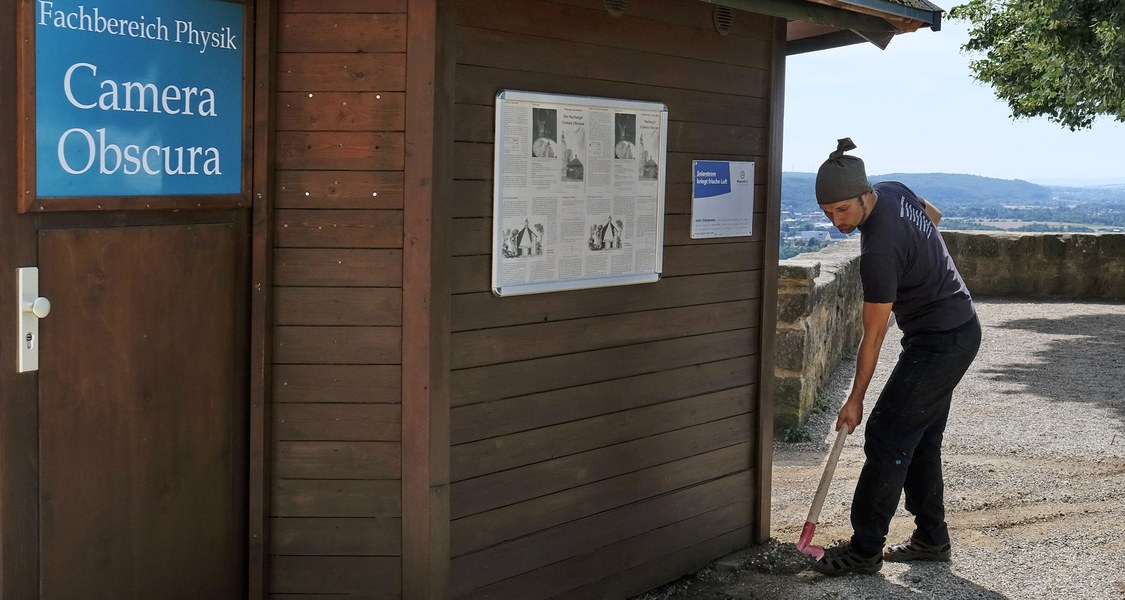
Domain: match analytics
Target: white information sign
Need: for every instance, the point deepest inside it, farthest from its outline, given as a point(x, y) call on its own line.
point(722, 199)
point(578, 199)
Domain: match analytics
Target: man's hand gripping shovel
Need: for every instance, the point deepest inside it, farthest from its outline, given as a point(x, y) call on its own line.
point(804, 544)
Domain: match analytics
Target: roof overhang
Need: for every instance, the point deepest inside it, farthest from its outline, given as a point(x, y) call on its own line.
point(823, 24)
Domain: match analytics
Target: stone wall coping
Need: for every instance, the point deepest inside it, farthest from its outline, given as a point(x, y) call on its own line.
point(822, 265)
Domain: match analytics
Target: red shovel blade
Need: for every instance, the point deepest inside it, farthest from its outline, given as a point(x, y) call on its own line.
point(804, 543)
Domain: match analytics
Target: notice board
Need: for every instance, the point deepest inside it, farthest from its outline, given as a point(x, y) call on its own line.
point(578, 198)
point(722, 199)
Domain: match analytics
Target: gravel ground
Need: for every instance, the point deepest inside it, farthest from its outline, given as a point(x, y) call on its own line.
point(1034, 469)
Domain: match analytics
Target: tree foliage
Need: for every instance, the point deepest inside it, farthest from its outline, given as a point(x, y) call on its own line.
point(1062, 59)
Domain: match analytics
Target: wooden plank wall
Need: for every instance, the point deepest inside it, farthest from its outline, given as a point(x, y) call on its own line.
point(338, 248)
point(602, 441)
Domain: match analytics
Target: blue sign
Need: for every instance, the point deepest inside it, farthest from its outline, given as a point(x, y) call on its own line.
point(138, 98)
point(710, 178)
point(722, 205)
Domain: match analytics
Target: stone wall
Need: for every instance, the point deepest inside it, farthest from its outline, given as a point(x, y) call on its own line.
point(818, 322)
point(819, 302)
point(1086, 266)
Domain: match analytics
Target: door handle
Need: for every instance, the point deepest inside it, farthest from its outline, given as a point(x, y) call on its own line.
point(40, 307)
point(32, 307)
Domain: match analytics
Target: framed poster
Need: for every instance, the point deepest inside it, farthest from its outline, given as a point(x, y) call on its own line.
point(134, 104)
point(578, 198)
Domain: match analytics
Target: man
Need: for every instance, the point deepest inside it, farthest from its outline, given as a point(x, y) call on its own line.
point(906, 269)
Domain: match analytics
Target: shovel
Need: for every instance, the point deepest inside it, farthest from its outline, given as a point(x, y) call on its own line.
point(804, 544)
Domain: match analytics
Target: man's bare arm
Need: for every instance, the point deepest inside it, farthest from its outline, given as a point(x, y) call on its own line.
point(932, 211)
point(876, 318)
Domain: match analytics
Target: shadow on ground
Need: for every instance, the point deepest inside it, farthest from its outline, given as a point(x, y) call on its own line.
point(779, 571)
point(1084, 363)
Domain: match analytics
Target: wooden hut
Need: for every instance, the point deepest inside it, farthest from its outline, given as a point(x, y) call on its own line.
point(273, 363)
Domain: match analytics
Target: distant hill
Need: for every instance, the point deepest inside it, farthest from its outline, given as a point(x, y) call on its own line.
point(984, 199)
point(955, 190)
point(944, 189)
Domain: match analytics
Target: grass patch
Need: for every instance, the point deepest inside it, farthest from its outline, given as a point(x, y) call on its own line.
point(794, 435)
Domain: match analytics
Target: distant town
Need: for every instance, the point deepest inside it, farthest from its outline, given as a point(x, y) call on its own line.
point(967, 202)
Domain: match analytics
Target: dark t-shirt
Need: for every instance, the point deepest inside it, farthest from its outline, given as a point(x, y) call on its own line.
point(904, 260)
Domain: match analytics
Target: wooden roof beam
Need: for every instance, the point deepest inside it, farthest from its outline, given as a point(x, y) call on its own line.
point(905, 17)
point(812, 12)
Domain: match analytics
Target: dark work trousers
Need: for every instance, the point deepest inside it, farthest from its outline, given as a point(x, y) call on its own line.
point(903, 438)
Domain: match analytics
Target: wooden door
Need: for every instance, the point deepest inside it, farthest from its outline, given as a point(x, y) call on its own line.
point(142, 408)
point(124, 459)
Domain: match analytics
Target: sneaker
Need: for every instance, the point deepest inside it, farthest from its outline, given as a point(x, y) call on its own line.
point(841, 559)
point(914, 549)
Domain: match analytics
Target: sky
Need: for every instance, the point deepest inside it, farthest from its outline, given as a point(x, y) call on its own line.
point(915, 108)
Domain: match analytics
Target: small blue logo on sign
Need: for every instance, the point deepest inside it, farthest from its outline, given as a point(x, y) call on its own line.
point(711, 178)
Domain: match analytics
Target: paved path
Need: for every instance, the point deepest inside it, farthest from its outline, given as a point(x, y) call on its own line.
point(1034, 469)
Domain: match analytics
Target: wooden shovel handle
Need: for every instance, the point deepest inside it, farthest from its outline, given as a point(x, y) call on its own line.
point(826, 478)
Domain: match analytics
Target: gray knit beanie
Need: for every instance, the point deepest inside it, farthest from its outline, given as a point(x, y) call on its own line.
point(841, 177)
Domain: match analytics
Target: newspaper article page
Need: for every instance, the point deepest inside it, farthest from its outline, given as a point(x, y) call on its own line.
point(579, 192)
